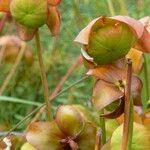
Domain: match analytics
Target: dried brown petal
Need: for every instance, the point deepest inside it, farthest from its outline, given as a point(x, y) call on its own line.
point(136, 90)
point(108, 73)
point(137, 59)
point(117, 112)
point(105, 93)
point(45, 135)
point(135, 24)
point(53, 20)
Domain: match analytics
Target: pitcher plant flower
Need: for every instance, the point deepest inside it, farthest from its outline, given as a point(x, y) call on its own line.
point(29, 15)
point(68, 131)
point(110, 88)
point(107, 39)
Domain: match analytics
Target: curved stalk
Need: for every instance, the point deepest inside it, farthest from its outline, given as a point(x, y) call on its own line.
point(43, 76)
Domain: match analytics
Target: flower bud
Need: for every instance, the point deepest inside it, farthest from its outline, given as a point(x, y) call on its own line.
point(30, 13)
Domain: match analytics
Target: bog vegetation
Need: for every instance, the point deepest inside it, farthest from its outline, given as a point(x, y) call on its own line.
point(74, 75)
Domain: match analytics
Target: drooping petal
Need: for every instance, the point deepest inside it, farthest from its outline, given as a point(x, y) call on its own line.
point(104, 94)
point(137, 60)
point(133, 23)
point(117, 112)
point(69, 120)
point(86, 140)
point(145, 39)
point(87, 60)
point(108, 73)
point(136, 90)
point(143, 43)
point(83, 36)
point(26, 34)
point(45, 135)
point(53, 20)
point(5, 5)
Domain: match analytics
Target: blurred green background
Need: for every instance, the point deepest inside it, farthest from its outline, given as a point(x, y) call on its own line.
point(59, 54)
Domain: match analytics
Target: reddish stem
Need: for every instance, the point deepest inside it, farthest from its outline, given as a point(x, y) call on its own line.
point(127, 106)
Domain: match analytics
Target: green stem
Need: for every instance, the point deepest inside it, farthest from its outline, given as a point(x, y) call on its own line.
point(38, 108)
point(43, 76)
point(103, 128)
point(146, 78)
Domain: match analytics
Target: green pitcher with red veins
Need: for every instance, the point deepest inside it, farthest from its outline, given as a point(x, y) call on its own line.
point(29, 13)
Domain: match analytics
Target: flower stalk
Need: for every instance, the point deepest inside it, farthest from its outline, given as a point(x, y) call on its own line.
point(128, 122)
point(43, 76)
